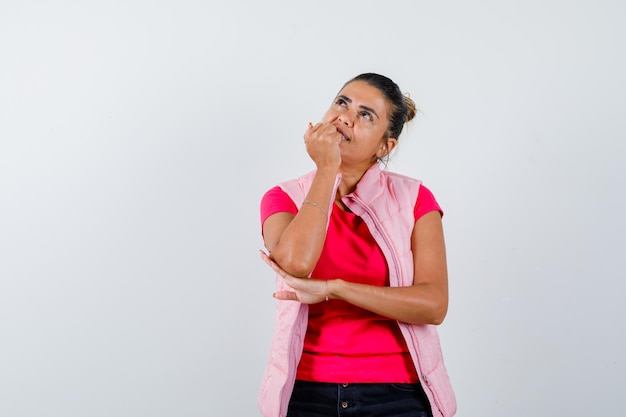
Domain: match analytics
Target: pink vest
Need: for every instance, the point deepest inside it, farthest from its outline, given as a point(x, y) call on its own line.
point(385, 201)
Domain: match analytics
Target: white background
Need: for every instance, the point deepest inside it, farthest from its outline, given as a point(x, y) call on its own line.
point(137, 138)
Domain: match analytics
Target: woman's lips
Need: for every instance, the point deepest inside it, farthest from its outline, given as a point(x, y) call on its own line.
point(344, 137)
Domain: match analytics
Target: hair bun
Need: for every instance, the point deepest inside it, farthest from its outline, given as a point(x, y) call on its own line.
point(411, 109)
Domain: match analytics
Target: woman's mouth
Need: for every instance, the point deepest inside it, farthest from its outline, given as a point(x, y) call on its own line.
point(344, 138)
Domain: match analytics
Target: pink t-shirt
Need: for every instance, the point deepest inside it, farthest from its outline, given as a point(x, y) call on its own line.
point(345, 343)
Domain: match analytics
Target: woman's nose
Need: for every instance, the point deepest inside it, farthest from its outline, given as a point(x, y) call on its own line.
point(346, 119)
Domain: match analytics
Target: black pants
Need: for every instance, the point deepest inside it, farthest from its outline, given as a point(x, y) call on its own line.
point(317, 399)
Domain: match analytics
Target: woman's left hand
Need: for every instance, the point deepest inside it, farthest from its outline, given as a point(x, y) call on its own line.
point(305, 290)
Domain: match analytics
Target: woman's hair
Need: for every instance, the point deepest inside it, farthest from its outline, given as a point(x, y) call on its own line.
point(402, 106)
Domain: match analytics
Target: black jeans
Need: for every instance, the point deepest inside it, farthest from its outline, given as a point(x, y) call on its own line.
point(318, 399)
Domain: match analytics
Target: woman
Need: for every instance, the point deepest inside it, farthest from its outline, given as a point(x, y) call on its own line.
point(361, 272)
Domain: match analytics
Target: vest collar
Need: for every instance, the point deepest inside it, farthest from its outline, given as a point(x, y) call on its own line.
point(370, 185)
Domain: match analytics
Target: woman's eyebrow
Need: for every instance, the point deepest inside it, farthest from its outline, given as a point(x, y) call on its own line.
point(349, 100)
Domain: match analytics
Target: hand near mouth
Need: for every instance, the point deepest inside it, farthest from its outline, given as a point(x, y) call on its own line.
point(322, 144)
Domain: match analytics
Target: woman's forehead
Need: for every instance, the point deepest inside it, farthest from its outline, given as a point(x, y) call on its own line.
point(364, 94)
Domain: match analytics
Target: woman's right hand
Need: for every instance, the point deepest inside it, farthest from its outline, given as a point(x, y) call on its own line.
point(322, 145)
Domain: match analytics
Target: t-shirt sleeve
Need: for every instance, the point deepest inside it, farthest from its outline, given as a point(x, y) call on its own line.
point(425, 203)
point(275, 200)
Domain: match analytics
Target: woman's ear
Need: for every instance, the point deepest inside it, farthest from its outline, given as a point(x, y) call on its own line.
point(386, 146)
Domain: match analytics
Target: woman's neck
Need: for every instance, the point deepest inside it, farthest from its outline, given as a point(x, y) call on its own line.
point(349, 180)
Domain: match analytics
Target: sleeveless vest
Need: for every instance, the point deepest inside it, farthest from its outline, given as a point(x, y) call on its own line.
point(385, 201)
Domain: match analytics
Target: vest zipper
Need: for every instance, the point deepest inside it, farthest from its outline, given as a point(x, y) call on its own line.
point(380, 232)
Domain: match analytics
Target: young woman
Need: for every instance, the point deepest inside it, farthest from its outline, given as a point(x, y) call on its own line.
point(361, 272)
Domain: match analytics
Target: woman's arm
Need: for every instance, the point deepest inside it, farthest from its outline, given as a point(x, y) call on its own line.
point(425, 302)
point(295, 242)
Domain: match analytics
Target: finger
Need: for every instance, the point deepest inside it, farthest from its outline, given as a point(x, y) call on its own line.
point(311, 130)
point(319, 129)
point(332, 134)
point(266, 258)
point(328, 128)
point(277, 269)
point(285, 295)
point(315, 127)
point(273, 264)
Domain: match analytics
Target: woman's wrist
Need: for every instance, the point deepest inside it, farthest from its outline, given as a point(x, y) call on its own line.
point(333, 288)
point(327, 171)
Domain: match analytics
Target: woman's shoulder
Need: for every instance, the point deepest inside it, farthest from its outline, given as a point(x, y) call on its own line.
point(426, 202)
point(276, 200)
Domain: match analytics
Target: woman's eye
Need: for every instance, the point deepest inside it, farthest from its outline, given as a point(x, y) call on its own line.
point(341, 102)
point(367, 116)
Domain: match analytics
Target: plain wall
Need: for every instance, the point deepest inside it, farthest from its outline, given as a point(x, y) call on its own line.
point(137, 138)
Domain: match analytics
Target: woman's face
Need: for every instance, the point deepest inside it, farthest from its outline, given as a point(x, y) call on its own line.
point(360, 114)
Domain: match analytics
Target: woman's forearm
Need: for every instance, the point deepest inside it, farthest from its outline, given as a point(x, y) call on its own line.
point(416, 304)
